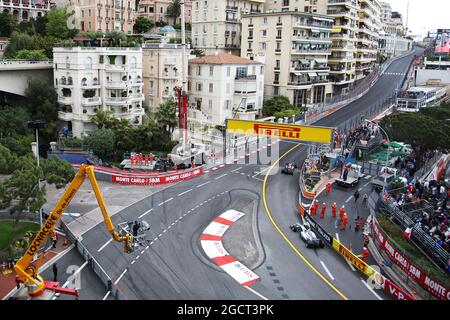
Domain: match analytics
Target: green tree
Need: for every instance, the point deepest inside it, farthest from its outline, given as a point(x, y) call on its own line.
point(276, 104)
point(17, 42)
point(26, 54)
point(286, 113)
point(6, 24)
point(101, 142)
point(56, 25)
point(198, 52)
point(103, 119)
point(13, 121)
point(143, 24)
point(174, 10)
point(165, 116)
point(39, 24)
point(57, 171)
point(7, 160)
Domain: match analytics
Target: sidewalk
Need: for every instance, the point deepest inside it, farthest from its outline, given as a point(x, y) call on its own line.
point(8, 282)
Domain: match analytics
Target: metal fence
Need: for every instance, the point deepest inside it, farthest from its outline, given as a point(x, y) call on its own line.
point(95, 266)
point(422, 172)
point(421, 240)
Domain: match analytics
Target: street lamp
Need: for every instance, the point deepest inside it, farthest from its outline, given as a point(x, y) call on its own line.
point(36, 125)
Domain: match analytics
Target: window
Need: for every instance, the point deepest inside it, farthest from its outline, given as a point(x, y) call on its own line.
point(210, 104)
point(211, 88)
point(228, 71)
point(261, 72)
point(264, 33)
point(227, 104)
point(264, 20)
point(241, 72)
point(276, 78)
point(211, 71)
point(249, 44)
point(263, 45)
point(277, 64)
point(199, 70)
point(276, 91)
point(199, 87)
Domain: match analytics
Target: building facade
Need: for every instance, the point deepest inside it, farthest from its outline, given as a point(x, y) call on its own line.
point(296, 47)
point(313, 6)
point(88, 79)
point(23, 10)
point(216, 24)
point(3, 44)
point(157, 10)
point(224, 86)
point(392, 45)
point(369, 26)
point(103, 15)
point(162, 72)
point(386, 12)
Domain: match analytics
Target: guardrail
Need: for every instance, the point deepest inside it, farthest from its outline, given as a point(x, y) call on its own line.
point(423, 172)
point(421, 240)
point(20, 61)
point(95, 266)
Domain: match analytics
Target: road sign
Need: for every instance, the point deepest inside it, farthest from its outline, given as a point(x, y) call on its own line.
point(282, 131)
point(314, 156)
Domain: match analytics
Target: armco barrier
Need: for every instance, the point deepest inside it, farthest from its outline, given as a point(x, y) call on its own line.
point(392, 289)
point(432, 286)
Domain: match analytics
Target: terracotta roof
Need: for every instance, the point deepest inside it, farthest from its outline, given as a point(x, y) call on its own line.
point(222, 59)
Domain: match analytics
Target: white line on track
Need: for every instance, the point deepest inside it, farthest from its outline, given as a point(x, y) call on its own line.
point(326, 269)
point(120, 277)
point(360, 189)
point(160, 235)
point(371, 290)
point(349, 198)
point(257, 293)
point(142, 252)
point(185, 192)
point(132, 262)
point(337, 237)
point(234, 170)
point(170, 199)
point(74, 274)
point(145, 213)
point(350, 265)
point(155, 239)
point(106, 295)
point(147, 247)
point(203, 184)
point(224, 175)
point(103, 246)
point(366, 184)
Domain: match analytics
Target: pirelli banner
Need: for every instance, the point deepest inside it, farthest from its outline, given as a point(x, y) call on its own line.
point(282, 131)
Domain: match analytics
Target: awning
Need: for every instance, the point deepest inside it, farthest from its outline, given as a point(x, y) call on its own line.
point(323, 74)
point(323, 19)
point(336, 30)
point(315, 30)
point(321, 61)
point(312, 74)
point(304, 61)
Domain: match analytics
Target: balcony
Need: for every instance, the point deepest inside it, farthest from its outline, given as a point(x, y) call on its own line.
point(90, 85)
point(115, 68)
point(65, 100)
point(233, 20)
point(231, 8)
point(311, 51)
point(65, 116)
point(137, 97)
point(231, 46)
point(116, 100)
point(116, 84)
point(95, 101)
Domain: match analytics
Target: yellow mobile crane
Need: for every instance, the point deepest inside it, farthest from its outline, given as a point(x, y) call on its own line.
point(27, 272)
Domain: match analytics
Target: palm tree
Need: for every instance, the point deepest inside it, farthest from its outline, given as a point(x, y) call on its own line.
point(174, 10)
point(103, 119)
point(165, 116)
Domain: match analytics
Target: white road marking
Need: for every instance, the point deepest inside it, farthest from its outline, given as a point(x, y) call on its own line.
point(203, 184)
point(170, 199)
point(349, 198)
point(221, 176)
point(371, 290)
point(160, 235)
point(257, 293)
point(106, 295)
point(145, 213)
point(147, 247)
point(169, 227)
point(138, 257)
point(173, 223)
point(74, 274)
point(236, 169)
point(165, 230)
point(366, 184)
point(132, 262)
point(120, 277)
point(360, 189)
point(326, 269)
point(142, 251)
point(185, 192)
point(103, 246)
point(351, 266)
point(242, 174)
point(337, 237)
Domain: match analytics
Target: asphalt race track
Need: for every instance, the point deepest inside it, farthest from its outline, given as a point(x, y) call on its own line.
point(173, 265)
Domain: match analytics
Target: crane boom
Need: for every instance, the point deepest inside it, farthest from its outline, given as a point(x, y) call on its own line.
point(26, 271)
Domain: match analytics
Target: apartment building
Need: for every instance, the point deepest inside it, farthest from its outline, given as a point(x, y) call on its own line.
point(386, 12)
point(308, 6)
point(162, 72)
point(103, 15)
point(369, 26)
point(157, 10)
point(88, 79)
point(296, 47)
point(224, 86)
point(216, 24)
point(392, 45)
point(23, 10)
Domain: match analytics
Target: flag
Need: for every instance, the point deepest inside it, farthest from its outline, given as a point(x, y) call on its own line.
point(407, 233)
